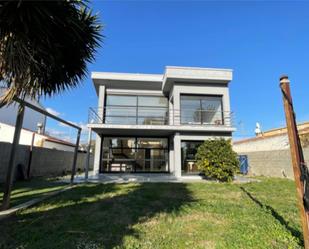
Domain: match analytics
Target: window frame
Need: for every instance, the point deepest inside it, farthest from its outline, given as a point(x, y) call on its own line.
point(137, 106)
point(201, 108)
point(135, 148)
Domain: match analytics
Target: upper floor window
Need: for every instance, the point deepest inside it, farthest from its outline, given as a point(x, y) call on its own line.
point(201, 109)
point(129, 109)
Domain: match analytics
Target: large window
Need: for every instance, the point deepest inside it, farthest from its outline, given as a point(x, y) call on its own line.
point(134, 154)
point(201, 109)
point(124, 109)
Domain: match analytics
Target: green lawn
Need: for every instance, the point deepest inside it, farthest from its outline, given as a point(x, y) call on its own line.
point(161, 215)
point(27, 190)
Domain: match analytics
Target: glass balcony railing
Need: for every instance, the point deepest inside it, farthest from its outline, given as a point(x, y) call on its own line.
point(158, 116)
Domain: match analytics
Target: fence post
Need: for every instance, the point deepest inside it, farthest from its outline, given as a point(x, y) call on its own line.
point(12, 157)
point(75, 156)
point(296, 153)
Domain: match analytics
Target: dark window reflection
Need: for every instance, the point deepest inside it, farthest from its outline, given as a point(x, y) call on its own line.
point(135, 154)
point(199, 109)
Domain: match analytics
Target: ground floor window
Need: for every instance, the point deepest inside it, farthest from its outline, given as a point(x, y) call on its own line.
point(134, 154)
point(188, 162)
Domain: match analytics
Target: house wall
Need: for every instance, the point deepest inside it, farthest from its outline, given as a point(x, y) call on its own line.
point(174, 105)
point(97, 156)
point(7, 134)
point(45, 162)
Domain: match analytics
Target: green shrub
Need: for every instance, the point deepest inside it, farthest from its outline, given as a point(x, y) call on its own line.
point(216, 159)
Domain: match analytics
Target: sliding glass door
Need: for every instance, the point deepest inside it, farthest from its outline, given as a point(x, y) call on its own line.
point(134, 154)
point(188, 151)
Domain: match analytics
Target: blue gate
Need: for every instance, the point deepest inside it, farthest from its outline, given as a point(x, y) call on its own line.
point(244, 166)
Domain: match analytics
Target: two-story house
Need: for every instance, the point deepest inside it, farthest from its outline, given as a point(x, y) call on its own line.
point(155, 122)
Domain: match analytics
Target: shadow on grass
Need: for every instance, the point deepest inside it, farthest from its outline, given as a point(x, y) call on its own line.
point(101, 214)
point(296, 233)
point(24, 191)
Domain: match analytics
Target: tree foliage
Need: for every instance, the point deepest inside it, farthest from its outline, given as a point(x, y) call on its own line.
point(216, 159)
point(45, 46)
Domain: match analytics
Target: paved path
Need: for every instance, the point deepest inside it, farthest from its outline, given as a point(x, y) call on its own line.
point(157, 177)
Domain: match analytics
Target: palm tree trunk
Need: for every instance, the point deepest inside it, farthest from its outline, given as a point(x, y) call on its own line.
point(11, 166)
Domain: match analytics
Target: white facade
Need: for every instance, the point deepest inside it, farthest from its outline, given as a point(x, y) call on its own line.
point(39, 140)
point(8, 114)
point(197, 108)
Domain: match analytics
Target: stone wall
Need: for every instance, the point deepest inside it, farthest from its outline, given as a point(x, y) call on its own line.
point(276, 163)
point(44, 162)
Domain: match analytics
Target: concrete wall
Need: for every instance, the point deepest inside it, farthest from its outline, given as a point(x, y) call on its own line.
point(276, 163)
point(22, 157)
point(280, 142)
point(57, 146)
point(45, 162)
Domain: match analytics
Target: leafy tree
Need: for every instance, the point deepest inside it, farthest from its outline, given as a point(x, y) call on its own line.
point(216, 159)
point(44, 49)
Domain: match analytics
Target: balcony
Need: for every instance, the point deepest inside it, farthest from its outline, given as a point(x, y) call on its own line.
point(159, 116)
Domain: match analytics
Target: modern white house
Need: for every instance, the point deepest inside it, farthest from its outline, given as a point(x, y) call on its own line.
point(154, 123)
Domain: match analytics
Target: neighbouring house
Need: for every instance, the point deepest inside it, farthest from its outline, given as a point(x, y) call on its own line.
point(31, 119)
point(155, 122)
point(268, 152)
point(274, 139)
point(37, 139)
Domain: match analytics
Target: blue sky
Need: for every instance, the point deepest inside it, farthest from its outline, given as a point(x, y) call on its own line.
point(259, 40)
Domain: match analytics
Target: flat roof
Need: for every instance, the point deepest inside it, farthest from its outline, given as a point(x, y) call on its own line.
point(164, 81)
point(127, 80)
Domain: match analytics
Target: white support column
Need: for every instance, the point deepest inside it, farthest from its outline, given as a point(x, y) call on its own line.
point(101, 102)
point(176, 98)
point(88, 154)
point(97, 155)
point(177, 155)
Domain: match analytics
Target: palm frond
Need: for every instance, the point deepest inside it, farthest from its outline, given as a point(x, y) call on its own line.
point(45, 46)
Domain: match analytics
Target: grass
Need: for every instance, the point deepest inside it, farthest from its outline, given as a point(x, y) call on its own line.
point(161, 215)
point(27, 190)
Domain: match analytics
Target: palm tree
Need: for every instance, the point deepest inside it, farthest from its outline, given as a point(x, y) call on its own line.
point(44, 49)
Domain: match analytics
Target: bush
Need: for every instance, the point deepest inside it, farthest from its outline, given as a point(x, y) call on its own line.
point(216, 159)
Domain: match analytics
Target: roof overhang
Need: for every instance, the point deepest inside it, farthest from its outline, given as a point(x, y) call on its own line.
point(195, 75)
point(127, 81)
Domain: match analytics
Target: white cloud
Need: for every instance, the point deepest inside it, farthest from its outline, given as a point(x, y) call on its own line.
point(80, 124)
point(52, 111)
